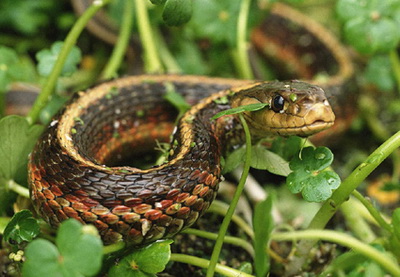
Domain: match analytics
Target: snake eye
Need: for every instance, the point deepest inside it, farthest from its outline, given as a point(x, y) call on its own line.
point(277, 103)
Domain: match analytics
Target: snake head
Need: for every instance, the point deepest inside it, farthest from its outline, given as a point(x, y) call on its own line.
point(294, 108)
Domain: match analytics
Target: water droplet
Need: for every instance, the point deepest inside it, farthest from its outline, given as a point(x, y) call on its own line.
point(331, 181)
point(320, 156)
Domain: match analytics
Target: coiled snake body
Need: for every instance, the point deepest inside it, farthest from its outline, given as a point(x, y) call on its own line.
point(75, 172)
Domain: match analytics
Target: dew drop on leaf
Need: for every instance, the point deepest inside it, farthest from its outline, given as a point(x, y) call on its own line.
point(320, 156)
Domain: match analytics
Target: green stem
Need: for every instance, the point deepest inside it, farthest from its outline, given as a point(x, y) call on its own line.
point(235, 200)
point(48, 88)
point(118, 53)
point(373, 211)
point(227, 239)
point(113, 247)
point(20, 190)
point(395, 60)
point(165, 55)
point(356, 223)
point(329, 208)
point(222, 269)
point(221, 208)
point(151, 58)
point(379, 257)
point(242, 59)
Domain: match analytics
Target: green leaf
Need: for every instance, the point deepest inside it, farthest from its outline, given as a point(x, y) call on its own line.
point(8, 61)
point(177, 12)
point(241, 109)
point(47, 59)
point(308, 176)
point(262, 158)
point(287, 148)
point(379, 72)
point(78, 253)
point(17, 140)
point(263, 225)
point(22, 227)
point(234, 159)
point(145, 261)
point(25, 16)
point(370, 37)
point(42, 259)
point(216, 20)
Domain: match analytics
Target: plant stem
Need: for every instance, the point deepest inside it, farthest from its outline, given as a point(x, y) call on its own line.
point(373, 211)
point(113, 247)
point(118, 53)
point(235, 200)
point(227, 239)
point(49, 85)
point(356, 223)
point(379, 257)
point(20, 190)
point(152, 61)
point(395, 60)
point(329, 208)
point(165, 55)
point(222, 269)
point(242, 59)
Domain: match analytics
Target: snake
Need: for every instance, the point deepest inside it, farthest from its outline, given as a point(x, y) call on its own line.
point(82, 166)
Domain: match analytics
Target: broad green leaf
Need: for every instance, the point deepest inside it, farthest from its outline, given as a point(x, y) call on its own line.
point(263, 225)
point(8, 60)
point(177, 12)
point(145, 261)
point(17, 140)
point(370, 37)
point(42, 259)
point(234, 159)
point(22, 227)
point(82, 251)
point(262, 158)
point(78, 253)
point(309, 176)
point(25, 16)
point(216, 20)
point(287, 148)
point(47, 58)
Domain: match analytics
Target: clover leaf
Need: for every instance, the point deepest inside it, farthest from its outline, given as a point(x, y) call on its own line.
point(78, 252)
point(47, 58)
point(22, 227)
point(370, 26)
point(17, 140)
point(145, 261)
point(309, 175)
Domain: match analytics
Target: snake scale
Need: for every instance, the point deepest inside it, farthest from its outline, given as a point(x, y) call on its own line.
point(77, 167)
